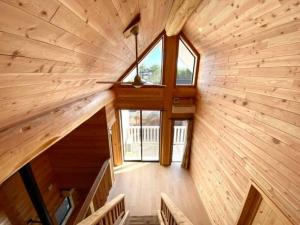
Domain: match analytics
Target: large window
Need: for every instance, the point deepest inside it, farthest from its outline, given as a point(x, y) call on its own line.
point(150, 67)
point(186, 64)
point(141, 135)
point(64, 211)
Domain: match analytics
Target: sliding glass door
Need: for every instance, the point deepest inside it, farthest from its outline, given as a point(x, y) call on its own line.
point(131, 134)
point(141, 134)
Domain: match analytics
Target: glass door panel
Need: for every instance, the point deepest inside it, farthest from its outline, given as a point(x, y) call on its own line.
point(131, 134)
point(141, 135)
point(179, 139)
point(150, 135)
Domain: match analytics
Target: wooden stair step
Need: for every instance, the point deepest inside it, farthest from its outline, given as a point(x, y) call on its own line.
point(142, 220)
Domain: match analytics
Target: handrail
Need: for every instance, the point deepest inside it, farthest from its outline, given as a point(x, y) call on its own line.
point(160, 219)
point(124, 219)
point(171, 215)
point(107, 214)
point(90, 196)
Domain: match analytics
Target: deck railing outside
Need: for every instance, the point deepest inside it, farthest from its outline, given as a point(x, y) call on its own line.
point(151, 134)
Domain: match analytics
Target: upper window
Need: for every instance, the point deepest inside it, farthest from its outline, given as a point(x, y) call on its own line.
point(186, 65)
point(150, 67)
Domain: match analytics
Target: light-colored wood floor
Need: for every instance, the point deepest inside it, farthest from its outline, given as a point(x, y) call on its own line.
point(142, 184)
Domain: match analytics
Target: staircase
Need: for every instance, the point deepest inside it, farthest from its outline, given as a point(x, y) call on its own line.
point(142, 220)
point(114, 213)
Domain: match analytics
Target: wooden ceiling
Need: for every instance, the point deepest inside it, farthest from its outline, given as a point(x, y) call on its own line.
point(218, 25)
point(52, 52)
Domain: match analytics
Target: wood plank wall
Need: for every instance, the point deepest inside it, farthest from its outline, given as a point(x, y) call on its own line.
point(47, 182)
point(71, 163)
point(78, 157)
point(247, 124)
point(28, 139)
point(15, 203)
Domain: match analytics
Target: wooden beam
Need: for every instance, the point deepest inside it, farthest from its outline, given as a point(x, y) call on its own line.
point(180, 12)
point(23, 142)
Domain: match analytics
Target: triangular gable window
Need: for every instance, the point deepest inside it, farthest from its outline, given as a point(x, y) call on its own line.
point(186, 64)
point(150, 66)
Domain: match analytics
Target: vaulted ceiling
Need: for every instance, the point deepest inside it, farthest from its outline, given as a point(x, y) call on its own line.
point(52, 52)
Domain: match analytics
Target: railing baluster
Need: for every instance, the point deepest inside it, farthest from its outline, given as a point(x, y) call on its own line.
point(106, 220)
point(110, 216)
point(150, 134)
point(171, 215)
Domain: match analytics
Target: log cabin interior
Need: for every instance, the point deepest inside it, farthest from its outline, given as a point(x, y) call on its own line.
point(137, 112)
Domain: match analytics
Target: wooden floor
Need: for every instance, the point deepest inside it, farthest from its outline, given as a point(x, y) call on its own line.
point(142, 184)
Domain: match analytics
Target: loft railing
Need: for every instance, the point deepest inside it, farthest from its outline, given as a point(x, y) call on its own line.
point(151, 134)
point(111, 213)
point(169, 214)
point(98, 193)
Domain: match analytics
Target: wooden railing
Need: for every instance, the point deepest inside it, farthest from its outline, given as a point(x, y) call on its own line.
point(169, 214)
point(111, 213)
point(98, 193)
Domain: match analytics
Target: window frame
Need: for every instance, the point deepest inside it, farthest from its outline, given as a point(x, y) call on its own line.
point(195, 53)
point(160, 37)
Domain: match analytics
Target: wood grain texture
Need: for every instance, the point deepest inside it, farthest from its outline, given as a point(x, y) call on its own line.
point(77, 158)
point(259, 209)
point(143, 183)
point(247, 119)
point(117, 151)
point(180, 12)
point(15, 201)
point(23, 142)
point(54, 51)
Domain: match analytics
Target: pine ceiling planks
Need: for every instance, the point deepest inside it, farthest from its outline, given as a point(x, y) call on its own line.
point(52, 52)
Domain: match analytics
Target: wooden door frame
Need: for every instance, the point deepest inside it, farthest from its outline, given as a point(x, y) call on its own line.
point(254, 197)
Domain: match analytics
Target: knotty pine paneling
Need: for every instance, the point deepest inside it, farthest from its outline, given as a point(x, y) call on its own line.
point(110, 114)
point(77, 39)
point(15, 202)
point(247, 124)
point(78, 157)
point(47, 182)
point(23, 142)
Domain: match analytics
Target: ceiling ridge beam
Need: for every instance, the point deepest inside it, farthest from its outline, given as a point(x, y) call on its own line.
point(180, 12)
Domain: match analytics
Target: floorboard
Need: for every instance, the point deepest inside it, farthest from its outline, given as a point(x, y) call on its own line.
point(142, 184)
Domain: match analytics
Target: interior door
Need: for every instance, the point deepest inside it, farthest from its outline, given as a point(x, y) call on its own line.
point(260, 210)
